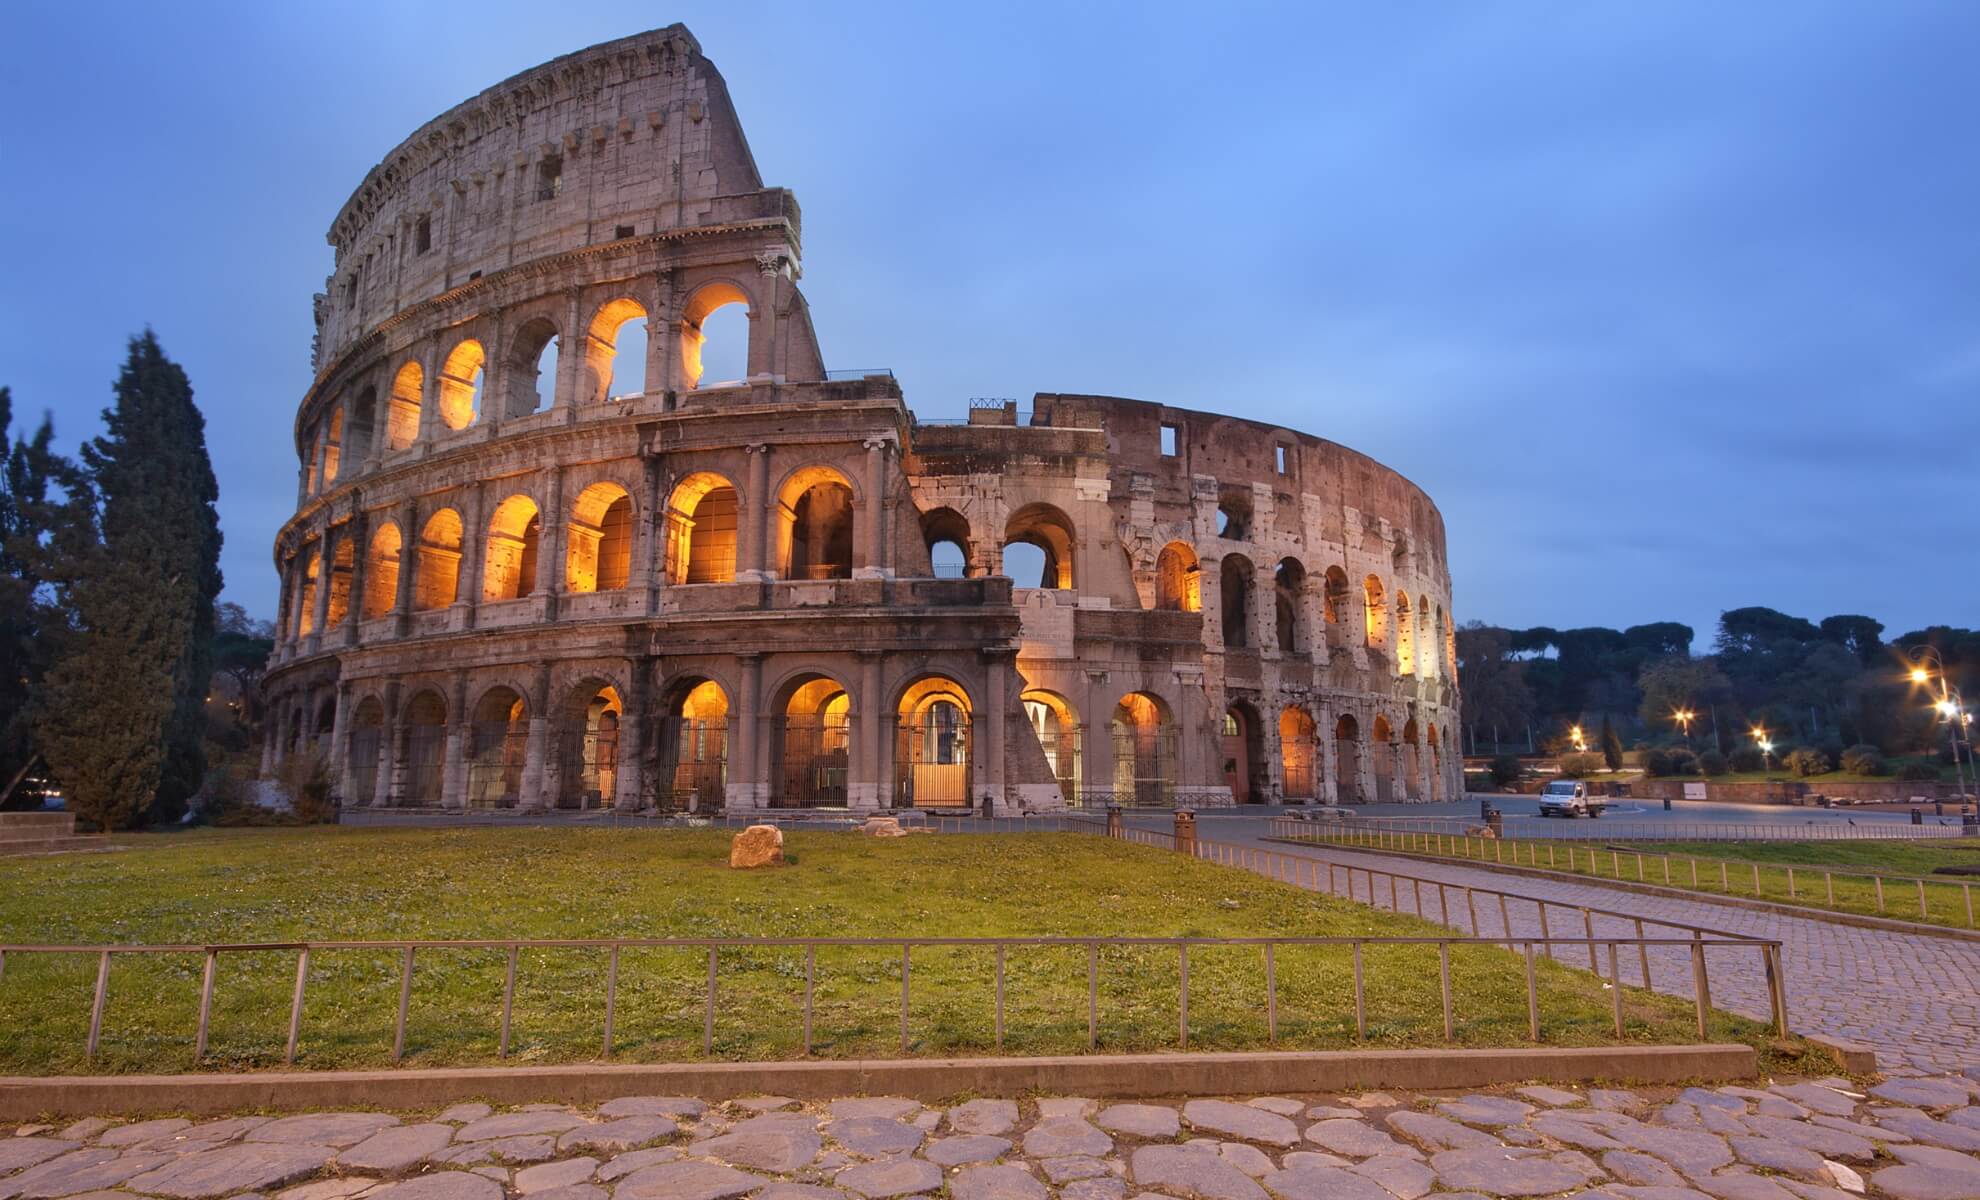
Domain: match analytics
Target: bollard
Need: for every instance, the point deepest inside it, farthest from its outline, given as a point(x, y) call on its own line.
point(1495, 820)
point(1185, 831)
point(1116, 826)
point(989, 807)
point(1917, 816)
point(1667, 804)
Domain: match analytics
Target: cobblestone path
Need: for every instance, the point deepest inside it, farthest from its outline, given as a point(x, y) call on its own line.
point(1914, 999)
point(1907, 1139)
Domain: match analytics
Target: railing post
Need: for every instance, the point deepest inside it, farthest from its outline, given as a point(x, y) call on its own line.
point(1532, 998)
point(295, 1006)
point(1615, 989)
point(1642, 954)
point(1271, 995)
point(96, 1005)
point(1588, 930)
point(708, 1012)
point(405, 1001)
point(1360, 998)
point(611, 997)
point(1000, 995)
point(1547, 945)
point(1444, 975)
point(205, 1004)
point(810, 973)
point(508, 998)
point(1776, 986)
point(1092, 994)
point(1183, 1005)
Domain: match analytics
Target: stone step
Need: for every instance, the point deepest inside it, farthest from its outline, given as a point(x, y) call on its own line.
point(28, 820)
point(58, 845)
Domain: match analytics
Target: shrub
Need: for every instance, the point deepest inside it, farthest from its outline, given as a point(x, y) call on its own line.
point(1678, 761)
point(305, 780)
point(1505, 770)
point(1580, 766)
point(1746, 758)
point(225, 798)
point(1806, 761)
point(1865, 759)
point(1713, 763)
point(1657, 763)
point(1917, 771)
point(1683, 762)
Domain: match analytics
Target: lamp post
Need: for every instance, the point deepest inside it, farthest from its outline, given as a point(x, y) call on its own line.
point(1950, 705)
point(1683, 717)
point(1766, 748)
point(1580, 741)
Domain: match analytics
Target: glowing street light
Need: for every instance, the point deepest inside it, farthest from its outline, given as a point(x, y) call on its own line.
point(1683, 717)
point(1950, 705)
point(1580, 741)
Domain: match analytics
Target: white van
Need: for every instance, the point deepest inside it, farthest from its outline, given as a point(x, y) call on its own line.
point(1569, 798)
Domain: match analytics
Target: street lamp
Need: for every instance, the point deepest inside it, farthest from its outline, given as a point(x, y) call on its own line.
point(1580, 742)
point(1683, 717)
point(1766, 748)
point(1950, 705)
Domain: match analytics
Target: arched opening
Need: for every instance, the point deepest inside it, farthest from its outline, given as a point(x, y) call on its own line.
point(436, 581)
point(426, 748)
point(498, 742)
point(588, 741)
point(715, 348)
point(1411, 761)
point(599, 557)
point(1178, 579)
point(306, 610)
point(615, 351)
point(381, 571)
point(931, 754)
point(1244, 765)
point(1144, 752)
point(1296, 753)
point(1234, 514)
point(1347, 760)
point(813, 744)
point(1334, 601)
point(341, 564)
point(324, 725)
point(357, 438)
point(1048, 563)
point(815, 525)
point(1377, 615)
point(333, 445)
point(1405, 636)
point(460, 385)
point(532, 368)
point(1056, 725)
point(295, 743)
point(701, 530)
point(1436, 763)
point(513, 535)
point(1234, 581)
point(947, 536)
point(692, 746)
point(1382, 761)
point(1288, 587)
point(402, 410)
point(367, 743)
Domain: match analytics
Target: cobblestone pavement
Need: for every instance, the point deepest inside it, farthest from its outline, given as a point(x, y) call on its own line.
point(1915, 999)
point(1908, 1139)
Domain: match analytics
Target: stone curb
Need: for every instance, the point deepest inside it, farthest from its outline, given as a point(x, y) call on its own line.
point(1116, 1076)
point(1859, 920)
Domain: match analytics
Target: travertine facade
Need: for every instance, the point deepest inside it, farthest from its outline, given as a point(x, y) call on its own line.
point(511, 584)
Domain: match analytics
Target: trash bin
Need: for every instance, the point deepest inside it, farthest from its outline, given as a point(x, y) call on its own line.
point(1667, 804)
point(1185, 831)
point(1917, 816)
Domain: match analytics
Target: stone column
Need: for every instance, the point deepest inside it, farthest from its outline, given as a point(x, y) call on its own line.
point(495, 374)
point(663, 331)
point(358, 530)
point(1313, 616)
point(997, 701)
point(1326, 761)
point(536, 748)
point(320, 613)
point(629, 786)
point(408, 567)
point(430, 424)
point(764, 357)
point(649, 561)
point(752, 555)
point(338, 756)
point(1210, 590)
point(453, 770)
point(871, 788)
point(746, 788)
point(271, 735)
point(474, 544)
point(553, 535)
point(389, 749)
point(573, 344)
point(1265, 610)
point(874, 543)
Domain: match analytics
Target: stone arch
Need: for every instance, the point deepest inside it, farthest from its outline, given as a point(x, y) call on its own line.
point(587, 727)
point(1236, 579)
point(312, 571)
point(701, 304)
point(498, 742)
point(1334, 593)
point(691, 744)
point(343, 561)
point(461, 381)
point(1244, 753)
point(381, 570)
point(599, 555)
point(424, 756)
point(1288, 605)
point(1296, 753)
point(1405, 635)
point(1234, 513)
point(701, 520)
point(333, 444)
point(1347, 760)
point(1409, 760)
point(1178, 579)
point(361, 428)
point(950, 551)
point(811, 742)
point(815, 532)
point(1433, 749)
point(1055, 723)
point(1047, 528)
point(365, 750)
point(932, 748)
point(1376, 614)
point(1144, 737)
point(403, 406)
point(437, 577)
point(533, 353)
point(514, 534)
point(1382, 758)
point(601, 344)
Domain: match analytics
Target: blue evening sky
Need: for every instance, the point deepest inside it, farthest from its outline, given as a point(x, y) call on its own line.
point(1671, 307)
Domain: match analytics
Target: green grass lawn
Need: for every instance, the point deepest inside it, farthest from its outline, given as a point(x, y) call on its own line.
point(333, 884)
point(1945, 897)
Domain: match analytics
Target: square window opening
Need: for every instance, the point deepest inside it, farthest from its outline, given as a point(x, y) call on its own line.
point(1279, 458)
point(550, 177)
point(423, 235)
point(1171, 435)
point(622, 232)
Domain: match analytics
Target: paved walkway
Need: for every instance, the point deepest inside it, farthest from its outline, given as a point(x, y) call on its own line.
point(1908, 1140)
point(1915, 999)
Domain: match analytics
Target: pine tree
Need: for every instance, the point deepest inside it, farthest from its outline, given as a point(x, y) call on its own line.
point(124, 709)
point(28, 468)
point(1612, 751)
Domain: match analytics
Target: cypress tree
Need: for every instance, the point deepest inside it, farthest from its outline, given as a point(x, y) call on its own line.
point(1612, 751)
point(125, 705)
point(28, 467)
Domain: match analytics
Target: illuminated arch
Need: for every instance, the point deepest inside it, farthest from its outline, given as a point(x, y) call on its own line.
point(701, 527)
point(602, 346)
point(514, 533)
point(1178, 579)
point(694, 315)
point(381, 570)
point(461, 384)
point(1376, 614)
point(931, 758)
point(946, 533)
point(1047, 528)
point(815, 524)
point(1055, 723)
point(1235, 582)
point(1296, 752)
point(1405, 636)
point(402, 410)
point(599, 556)
point(436, 581)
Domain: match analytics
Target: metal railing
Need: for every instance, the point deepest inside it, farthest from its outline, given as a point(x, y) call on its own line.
point(1462, 848)
point(1611, 830)
point(859, 373)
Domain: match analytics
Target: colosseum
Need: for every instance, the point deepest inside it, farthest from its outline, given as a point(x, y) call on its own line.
point(540, 561)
